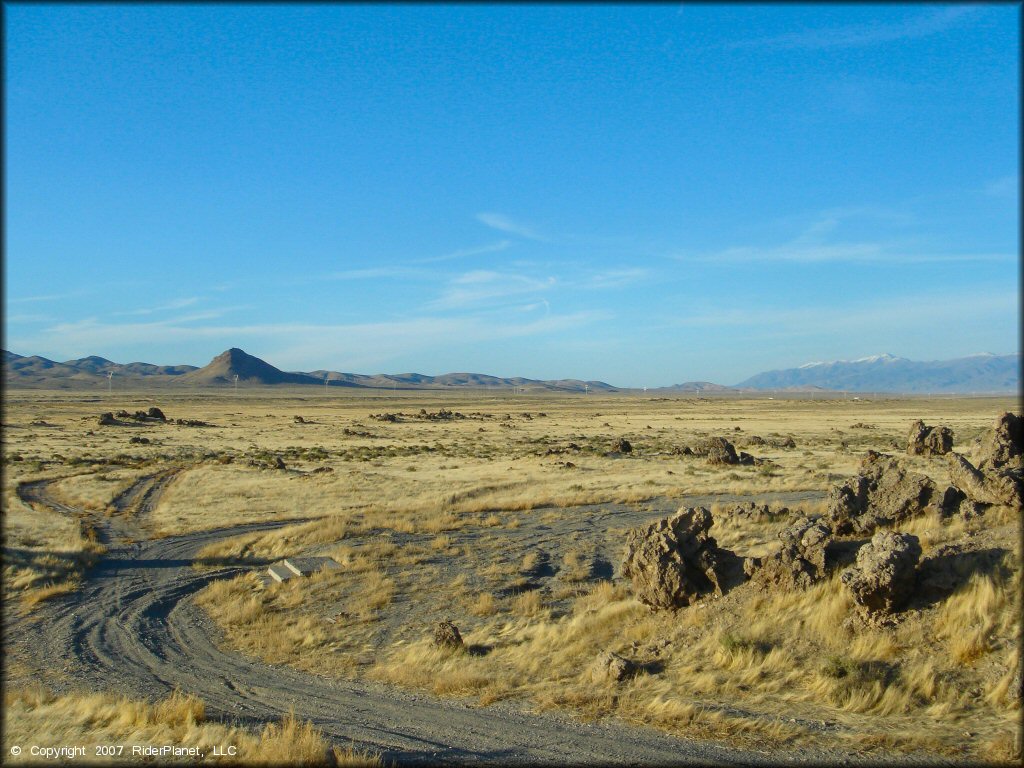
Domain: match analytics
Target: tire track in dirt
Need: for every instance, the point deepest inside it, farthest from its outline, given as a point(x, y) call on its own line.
point(140, 497)
point(134, 629)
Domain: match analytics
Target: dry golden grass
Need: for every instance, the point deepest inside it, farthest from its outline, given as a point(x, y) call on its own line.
point(91, 720)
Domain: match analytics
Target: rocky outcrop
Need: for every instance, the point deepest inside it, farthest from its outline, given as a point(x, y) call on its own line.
point(751, 511)
point(882, 494)
point(156, 413)
point(929, 441)
point(622, 445)
point(1003, 446)
point(1000, 485)
point(612, 666)
point(446, 635)
point(801, 560)
point(885, 574)
point(998, 477)
point(674, 562)
point(106, 419)
point(717, 450)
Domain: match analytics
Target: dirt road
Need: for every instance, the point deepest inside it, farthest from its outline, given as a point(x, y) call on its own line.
point(134, 629)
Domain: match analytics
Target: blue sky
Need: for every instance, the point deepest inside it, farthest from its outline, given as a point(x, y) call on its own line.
point(640, 194)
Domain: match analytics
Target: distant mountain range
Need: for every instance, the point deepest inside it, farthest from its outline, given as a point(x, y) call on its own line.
point(977, 374)
point(92, 372)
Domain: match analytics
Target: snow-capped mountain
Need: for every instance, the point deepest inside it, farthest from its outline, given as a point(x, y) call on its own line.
point(980, 373)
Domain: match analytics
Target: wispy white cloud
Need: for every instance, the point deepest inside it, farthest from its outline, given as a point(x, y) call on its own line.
point(372, 273)
point(177, 304)
point(817, 242)
point(889, 313)
point(472, 289)
point(614, 278)
point(48, 297)
point(30, 318)
point(463, 253)
point(862, 35)
point(504, 223)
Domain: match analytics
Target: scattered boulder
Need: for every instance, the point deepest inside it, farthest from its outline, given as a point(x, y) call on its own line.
point(929, 441)
point(279, 463)
point(156, 413)
point(995, 486)
point(298, 420)
point(753, 512)
point(882, 494)
point(137, 439)
point(107, 419)
point(622, 445)
point(674, 562)
point(1003, 446)
point(800, 562)
point(885, 574)
point(446, 635)
point(192, 423)
point(612, 666)
point(717, 450)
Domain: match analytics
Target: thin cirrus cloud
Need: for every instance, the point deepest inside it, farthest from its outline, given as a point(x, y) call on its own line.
point(372, 273)
point(464, 253)
point(882, 315)
point(503, 223)
point(817, 243)
point(176, 304)
point(479, 287)
point(862, 35)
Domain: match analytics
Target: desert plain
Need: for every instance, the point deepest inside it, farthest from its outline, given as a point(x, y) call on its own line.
point(138, 605)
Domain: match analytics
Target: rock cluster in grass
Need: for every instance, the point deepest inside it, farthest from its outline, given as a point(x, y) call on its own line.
point(622, 445)
point(753, 512)
point(929, 441)
point(800, 562)
point(611, 666)
point(446, 635)
point(883, 493)
point(885, 575)
point(674, 561)
point(999, 476)
point(718, 450)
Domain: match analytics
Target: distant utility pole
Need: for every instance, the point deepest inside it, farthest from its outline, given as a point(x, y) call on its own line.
point(586, 389)
point(326, 382)
point(110, 381)
point(236, 383)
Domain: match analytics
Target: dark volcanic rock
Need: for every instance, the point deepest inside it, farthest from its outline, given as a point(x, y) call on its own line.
point(622, 445)
point(156, 413)
point(885, 575)
point(673, 562)
point(995, 486)
point(1003, 446)
point(929, 441)
point(882, 494)
point(717, 450)
point(106, 419)
point(612, 666)
point(446, 635)
point(801, 560)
